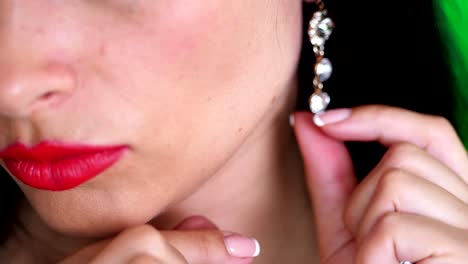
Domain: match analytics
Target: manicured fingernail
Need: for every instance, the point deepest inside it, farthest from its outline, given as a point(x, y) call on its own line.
point(241, 247)
point(292, 121)
point(331, 116)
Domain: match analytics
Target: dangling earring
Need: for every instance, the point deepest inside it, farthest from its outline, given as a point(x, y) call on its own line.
point(320, 29)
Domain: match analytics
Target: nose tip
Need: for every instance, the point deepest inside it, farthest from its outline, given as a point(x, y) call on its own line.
point(22, 93)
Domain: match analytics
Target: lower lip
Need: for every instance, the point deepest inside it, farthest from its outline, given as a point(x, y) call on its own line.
point(65, 174)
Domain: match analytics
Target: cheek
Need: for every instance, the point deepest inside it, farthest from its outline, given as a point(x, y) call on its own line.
point(186, 30)
point(202, 41)
point(186, 55)
point(178, 49)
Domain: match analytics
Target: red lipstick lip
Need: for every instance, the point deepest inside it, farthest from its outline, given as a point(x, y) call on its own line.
point(56, 166)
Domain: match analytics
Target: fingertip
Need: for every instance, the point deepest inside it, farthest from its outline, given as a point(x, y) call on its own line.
point(196, 222)
point(318, 120)
point(312, 140)
point(332, 116)
point(242, 247)
point(303, 121)
point(258, 248)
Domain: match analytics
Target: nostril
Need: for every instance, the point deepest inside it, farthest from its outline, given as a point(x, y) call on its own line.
point(28, 90)
point(51, 98)
point(48, 95)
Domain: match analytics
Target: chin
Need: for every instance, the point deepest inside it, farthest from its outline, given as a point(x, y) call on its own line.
point(93, 214)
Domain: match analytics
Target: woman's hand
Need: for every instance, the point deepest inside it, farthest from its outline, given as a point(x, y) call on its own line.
point(413, 206)
point(194, 241)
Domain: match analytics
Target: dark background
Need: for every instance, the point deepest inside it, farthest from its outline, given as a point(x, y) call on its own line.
point(386, 52)
point(383, 52)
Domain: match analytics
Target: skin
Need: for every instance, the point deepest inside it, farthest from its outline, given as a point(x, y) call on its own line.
point(411, 207)
point(166, 78)
point(201, 92)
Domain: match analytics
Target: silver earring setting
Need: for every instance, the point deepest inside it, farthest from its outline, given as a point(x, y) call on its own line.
point(320, 29)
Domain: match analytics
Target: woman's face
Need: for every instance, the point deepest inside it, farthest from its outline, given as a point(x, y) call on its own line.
point(181, 82)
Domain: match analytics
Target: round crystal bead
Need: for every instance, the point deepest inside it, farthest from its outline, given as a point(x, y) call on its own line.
point(320, 29)
point(318, 102)
point(323, 69)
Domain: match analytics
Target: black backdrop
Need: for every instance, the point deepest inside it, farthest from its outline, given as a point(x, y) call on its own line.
point(383, 52)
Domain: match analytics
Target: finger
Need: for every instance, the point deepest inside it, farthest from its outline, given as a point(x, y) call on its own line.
point(406, 237)
point(391, 125)
point(400, 191)
point(330, 179)
point(212, 246)
point(196, 223)
point(201, 246)
point(144, 259)
point(86, 254)
point(143, 240)
point(406, 157)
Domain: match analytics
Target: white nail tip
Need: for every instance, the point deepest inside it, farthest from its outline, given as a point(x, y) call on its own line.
point(257, 248)
point(318, 121)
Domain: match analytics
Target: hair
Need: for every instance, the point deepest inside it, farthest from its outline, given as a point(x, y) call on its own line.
point(396, 61)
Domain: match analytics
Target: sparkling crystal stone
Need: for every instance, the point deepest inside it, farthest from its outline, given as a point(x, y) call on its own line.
point(320, 29)
point(318, 102)
point(323, 69)
point(316, 17)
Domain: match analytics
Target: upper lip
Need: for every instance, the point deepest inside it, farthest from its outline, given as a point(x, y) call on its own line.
point(50, 151)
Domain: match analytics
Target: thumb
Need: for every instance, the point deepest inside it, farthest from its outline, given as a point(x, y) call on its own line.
point(330, 179)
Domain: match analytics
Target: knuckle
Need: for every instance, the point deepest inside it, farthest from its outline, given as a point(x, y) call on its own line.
point(442, 126)
point(442, 122)
point(210, 245)
point(143, 259)
point(390, 188)
point(388, 224)
point(145, 237)
point(400, 151)
point(397, 155)
point(375, 108)
point(391, 181)
point(203, 247)
point(375, 111)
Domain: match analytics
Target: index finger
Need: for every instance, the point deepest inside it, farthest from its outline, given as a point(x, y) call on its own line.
point(330, 179)
point(213, 246)
point(390, 125)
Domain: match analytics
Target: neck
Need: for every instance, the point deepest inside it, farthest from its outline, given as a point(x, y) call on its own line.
point(260, 192)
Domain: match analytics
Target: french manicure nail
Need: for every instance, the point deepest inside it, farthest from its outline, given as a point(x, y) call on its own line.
point(241, 247)
point(331, 116)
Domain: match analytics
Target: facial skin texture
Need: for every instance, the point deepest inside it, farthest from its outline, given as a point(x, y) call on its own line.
point(184, 83)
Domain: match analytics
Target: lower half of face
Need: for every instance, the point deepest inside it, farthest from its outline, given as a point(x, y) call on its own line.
point(182, 83)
